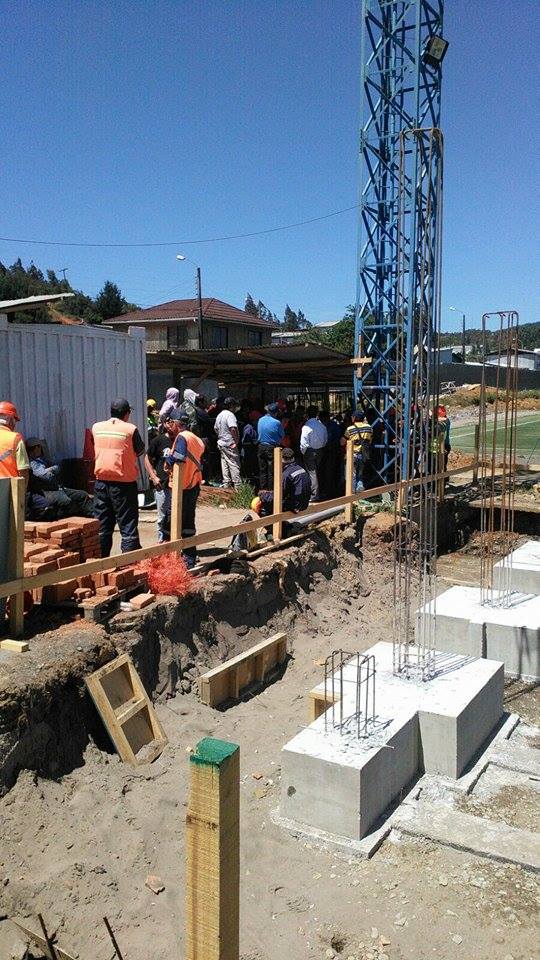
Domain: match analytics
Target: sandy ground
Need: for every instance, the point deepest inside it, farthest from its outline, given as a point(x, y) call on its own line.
point(81, 848)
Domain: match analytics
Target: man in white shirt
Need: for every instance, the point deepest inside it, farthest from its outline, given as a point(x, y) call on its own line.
point(226, 427)
point(313, 439)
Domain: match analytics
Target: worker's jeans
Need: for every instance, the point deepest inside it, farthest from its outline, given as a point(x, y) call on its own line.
point(358, 473)
point(266, 466)
point(117, 503)
point(70, 503)
point(189, 505)
point(312, 461)
point(230, 466)
point(163, 503)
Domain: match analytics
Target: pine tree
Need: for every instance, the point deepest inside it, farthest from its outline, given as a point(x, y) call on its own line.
point(290, 319)
point(250, 306)
point(109, 301)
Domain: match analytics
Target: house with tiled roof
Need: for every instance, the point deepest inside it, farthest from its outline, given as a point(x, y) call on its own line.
point(174, 326)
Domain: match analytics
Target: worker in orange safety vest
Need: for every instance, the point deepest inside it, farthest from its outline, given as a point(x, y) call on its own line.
point(117, 445)
point(187, 448)
point(13, 456)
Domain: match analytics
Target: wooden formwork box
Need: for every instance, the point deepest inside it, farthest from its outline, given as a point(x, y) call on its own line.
point(126, 710)
point(252, 666)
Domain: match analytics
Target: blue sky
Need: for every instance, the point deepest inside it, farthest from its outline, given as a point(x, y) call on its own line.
point(171, 121)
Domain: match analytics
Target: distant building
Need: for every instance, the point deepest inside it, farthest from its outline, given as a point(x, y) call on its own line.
point(526, 360)
point(174, 326)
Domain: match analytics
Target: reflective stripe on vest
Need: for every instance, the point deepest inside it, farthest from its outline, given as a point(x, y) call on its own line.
point(115, 457)
point(192, 463)
point(9, 441)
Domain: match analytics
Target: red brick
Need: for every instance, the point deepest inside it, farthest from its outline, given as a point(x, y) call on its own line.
point(29, 531)
point(32, 550)
point(86, 582)
point(82, 594)
point(51, 554)
point(44, 567)
point(68, 560)
point(142, 600)
point(121, 578)
point(28, 570)
point(106, 591)
point(57, 592)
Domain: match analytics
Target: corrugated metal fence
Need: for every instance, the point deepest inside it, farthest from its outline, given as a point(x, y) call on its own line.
point(62, 379)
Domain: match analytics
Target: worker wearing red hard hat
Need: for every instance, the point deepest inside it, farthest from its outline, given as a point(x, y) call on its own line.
point(13, 456)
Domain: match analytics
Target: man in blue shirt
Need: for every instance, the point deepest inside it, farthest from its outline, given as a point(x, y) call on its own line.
point(46, 488)
point(271, 433)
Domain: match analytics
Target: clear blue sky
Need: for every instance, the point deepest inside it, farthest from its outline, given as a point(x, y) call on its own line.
point(170, 121)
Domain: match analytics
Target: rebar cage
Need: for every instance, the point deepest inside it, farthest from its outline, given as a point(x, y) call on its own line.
point(343, 670)
point(497, 533)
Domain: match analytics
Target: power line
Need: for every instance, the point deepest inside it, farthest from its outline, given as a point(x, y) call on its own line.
point(184, 243)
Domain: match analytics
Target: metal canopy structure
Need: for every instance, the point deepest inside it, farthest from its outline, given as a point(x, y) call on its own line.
point(306, 364)
point(401, 152)
point(32, 303)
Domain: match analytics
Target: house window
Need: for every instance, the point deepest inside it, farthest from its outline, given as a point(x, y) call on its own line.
point(219, 337)
point(176, 338)
point(255, 338)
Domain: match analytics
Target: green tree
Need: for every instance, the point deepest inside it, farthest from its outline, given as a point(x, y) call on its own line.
point(250, 306)
point(109, 301)
point(290, 320)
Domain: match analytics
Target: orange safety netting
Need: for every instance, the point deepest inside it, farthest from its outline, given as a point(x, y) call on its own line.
point(168, 575)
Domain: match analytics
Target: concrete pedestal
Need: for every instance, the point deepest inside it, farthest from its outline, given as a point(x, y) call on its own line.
point(510, 634)
point(339, 783)
point(525, 574)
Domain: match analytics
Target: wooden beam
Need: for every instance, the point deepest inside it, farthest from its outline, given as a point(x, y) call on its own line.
point(222, 533)
point(177, 495)
point(240, 672)
point(213, 852)
point(39, 941)
point(277, 527)
point(349, 480)
point(16, 555)
point(361, 361)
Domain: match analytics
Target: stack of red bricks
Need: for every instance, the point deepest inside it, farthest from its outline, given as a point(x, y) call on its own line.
point(66, 543)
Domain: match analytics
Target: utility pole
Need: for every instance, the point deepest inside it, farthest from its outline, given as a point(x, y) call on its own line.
point(463, 320)
point(199, 298)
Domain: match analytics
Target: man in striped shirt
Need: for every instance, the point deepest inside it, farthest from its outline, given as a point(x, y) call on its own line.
point(361, 434)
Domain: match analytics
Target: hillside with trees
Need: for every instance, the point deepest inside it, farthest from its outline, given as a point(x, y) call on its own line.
point(18, 281)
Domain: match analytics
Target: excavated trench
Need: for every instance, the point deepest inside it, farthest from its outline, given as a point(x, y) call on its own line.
point(46, 716)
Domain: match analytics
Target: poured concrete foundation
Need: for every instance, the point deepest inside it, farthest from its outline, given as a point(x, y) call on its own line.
point(338, 782)
point(510, 634)
point(525, 573)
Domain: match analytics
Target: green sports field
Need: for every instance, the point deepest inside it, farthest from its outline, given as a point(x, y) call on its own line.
point(528, 436)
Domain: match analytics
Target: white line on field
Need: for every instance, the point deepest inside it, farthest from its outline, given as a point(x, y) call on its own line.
point(470, 433)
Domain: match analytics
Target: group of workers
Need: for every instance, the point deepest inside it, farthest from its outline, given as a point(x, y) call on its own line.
point(188, 431)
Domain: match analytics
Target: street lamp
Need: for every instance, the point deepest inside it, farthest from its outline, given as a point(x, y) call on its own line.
point(180, 256)
point(455, 310)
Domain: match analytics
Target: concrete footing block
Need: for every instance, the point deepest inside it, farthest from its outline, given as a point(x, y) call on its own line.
point(509, 634)
point(341, 784)
point(525, 569)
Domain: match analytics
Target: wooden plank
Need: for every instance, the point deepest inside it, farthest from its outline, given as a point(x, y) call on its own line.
point(251, 666)
point(213, 852)
point(39, 941)
point(126, 711)
point(129, 709)
point(16, 555)
point(361, 361)
point(318, 703)
point(15, 646)
point(277, 527)
point(177, 495)
point(349, 480)
point(222, 533)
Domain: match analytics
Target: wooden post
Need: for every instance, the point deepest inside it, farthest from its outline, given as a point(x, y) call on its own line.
point(213, 852)
point(177, 494)
point(440, 469)
point(277, 528)
point(476, 452)
point(16, 564)
point(349, 480)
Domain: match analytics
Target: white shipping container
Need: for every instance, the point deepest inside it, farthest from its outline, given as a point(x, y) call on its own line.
point(62, 379)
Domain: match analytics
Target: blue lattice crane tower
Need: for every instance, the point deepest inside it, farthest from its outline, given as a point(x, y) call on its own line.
point(398, 283)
